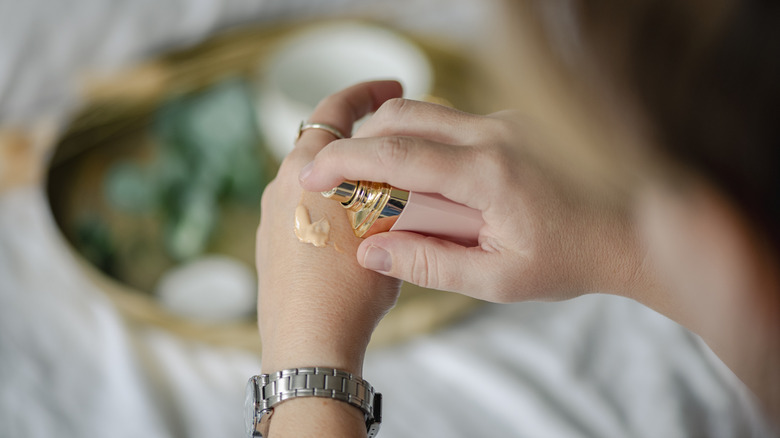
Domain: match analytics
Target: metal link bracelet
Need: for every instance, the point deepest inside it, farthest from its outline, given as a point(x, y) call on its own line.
point(268, 390)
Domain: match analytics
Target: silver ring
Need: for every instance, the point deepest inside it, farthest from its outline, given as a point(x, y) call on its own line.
point(327, 128)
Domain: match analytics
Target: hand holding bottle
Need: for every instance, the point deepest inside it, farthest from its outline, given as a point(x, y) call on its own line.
point(541, 239)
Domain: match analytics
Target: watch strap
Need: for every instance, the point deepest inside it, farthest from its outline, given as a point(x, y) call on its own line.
point(318, 382)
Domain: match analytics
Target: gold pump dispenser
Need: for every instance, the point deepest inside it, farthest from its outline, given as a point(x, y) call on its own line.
point(372, 207)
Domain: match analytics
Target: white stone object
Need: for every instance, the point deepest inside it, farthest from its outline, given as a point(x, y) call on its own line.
point(209, 289)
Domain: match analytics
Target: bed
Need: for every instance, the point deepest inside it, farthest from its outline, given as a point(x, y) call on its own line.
point(72, 366)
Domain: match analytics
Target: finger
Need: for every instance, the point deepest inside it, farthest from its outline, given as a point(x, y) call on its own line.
point(403, 117)
point(341, 110)
point(409, 163)
point(425, 261)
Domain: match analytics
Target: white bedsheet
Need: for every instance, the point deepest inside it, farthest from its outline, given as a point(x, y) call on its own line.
point(70, 366)
point(48, 45)
point(597, 366)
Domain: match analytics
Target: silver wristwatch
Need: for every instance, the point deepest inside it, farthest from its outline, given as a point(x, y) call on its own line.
point(265, 391)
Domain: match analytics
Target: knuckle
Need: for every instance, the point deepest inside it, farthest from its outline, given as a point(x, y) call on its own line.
point(392, 108)
point(501, 128)
point(424, 268)
point(392, 151)
point(392, 114)
point(493, 161)
point(498, 154)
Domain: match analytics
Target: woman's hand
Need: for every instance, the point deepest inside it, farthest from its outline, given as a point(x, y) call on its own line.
point(317, 306)
point(542, 239)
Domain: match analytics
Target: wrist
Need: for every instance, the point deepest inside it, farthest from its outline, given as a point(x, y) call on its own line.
point(273, 361)
point(331, 333)
point(299, 417)
point(314, 347)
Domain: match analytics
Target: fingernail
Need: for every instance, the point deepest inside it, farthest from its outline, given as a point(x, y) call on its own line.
point(377, 259)
point(306, 171)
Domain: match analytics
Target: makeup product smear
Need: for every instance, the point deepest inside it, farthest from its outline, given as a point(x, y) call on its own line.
point(316, 233)
point(374, 207)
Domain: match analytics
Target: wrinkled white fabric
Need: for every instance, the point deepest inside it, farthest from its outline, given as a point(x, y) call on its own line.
point(48, 45)
point(70, 366)
point(597, 366)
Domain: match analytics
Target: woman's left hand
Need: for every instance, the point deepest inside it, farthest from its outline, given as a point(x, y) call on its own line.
point(317, 306)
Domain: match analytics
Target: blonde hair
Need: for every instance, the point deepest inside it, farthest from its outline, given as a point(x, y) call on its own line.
point(628, 85)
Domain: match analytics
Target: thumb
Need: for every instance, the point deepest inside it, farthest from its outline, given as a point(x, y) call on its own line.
point(425, 261)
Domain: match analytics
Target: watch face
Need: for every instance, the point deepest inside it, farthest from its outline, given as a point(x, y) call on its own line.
point(250, 407)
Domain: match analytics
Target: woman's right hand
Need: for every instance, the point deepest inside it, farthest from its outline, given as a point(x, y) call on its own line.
point(541, 239)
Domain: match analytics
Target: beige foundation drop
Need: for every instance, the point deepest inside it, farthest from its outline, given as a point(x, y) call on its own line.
point(316, 233)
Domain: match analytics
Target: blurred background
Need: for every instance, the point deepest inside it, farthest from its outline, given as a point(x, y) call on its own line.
point(156, 179)
point(136, 137)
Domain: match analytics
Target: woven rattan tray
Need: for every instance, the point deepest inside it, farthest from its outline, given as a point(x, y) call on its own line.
point(115, 117)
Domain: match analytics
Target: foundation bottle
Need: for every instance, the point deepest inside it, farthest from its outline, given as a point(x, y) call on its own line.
point(374, 207)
